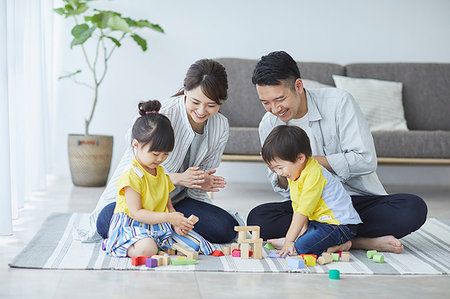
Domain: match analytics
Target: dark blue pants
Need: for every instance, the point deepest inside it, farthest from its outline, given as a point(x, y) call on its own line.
point(395, 214)
point(215, 225)
point(320, 236)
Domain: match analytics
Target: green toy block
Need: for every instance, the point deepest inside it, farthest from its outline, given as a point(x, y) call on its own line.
point(334, 274)
point(183, 262)
point(371, 253)
point(269, 246)
point(378, 258)
point(335, 257)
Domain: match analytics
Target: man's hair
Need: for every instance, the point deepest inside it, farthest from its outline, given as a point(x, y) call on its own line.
point(276, 68)
point(286, 143)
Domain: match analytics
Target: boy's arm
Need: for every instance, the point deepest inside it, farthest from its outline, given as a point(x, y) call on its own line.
point(295, 230)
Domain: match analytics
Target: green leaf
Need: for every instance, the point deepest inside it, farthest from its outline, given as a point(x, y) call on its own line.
point(118, 44)
point(145, 23)
point(140, 41)
point(69, 75)
point(60, 11)
point(81, 34)
point(117, 23)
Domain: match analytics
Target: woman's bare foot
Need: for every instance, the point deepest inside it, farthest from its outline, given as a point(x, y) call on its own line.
point(277, 243)
point(343, 247)
point(385, 243)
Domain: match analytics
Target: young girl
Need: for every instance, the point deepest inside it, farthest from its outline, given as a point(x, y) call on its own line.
point(144, 218)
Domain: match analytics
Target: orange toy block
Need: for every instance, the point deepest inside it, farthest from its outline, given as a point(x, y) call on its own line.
point(138, 260)
point(217, 253)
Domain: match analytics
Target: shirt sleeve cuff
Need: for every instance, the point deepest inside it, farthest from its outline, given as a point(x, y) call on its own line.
point(340, 166)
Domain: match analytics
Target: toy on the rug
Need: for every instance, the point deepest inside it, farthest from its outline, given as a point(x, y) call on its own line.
point(183, 262)
point(151, 262)
point(245, 243)
point(226, 250)
point(187, 251)
point(375, 256)
point(296, 262)
point(138, 260)
point(217, 253)
point(236, 253)
point(325, 258)
point(269, 246)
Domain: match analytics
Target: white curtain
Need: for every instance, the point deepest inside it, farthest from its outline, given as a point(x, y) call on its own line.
point(26, 92)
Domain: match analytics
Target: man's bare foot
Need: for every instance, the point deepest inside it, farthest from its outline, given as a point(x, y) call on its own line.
point(385, 243)
point(277, 243)
point(343, 247)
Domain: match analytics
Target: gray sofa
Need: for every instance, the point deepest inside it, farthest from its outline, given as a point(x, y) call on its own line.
point(426, 101)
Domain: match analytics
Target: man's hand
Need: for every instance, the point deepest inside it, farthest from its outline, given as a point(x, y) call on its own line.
point(212, 183)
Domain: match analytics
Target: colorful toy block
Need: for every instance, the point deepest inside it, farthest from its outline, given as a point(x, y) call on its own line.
point(325, 258)
point(234, 246)
point(310, 259)
point(217, 253)
point(345, 256)
point(103, 246)
point(183, 262)
point(193, 218)
point(245, 244)
point(371, 253)
point(187, 251)
point(138, 260)
point(180, 258)
point(269, 246)
point(296, 263)
point(151, 263)
point(236, 253)
point(378, 258)
point(334, 274)
point(335, 257)
point(159, 259)
point(171, 251)
point(273, 255)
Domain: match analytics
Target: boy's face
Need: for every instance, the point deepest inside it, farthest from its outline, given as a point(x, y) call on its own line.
point(288, 169)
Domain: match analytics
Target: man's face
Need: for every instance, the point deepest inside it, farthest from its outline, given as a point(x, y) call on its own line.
point(281, 101)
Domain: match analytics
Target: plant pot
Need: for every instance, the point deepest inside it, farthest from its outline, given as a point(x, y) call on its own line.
point(90, 159)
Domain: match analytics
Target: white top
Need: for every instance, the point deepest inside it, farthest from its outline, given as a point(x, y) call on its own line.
point(341, 135)
point(207, 156)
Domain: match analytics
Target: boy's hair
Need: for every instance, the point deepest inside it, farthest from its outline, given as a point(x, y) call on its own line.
point(276, 68)
point(211, 76)
point(153, 127)
point(286, 143)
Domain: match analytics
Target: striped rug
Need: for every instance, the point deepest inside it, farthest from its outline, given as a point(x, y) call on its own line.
point(427, 251)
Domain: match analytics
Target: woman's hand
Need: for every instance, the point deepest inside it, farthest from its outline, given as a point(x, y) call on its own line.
point(212, 182)
point(288, 249)
point(193, 177)
point(178, 220)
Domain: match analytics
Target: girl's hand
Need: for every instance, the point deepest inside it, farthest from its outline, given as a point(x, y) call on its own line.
point(180, 231)
point(212, 183)
point(178, 220)
point(288, 249)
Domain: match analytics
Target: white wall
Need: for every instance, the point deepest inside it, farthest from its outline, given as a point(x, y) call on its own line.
point(323, 30)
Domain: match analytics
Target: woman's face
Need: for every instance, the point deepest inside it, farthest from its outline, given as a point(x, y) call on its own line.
point(199, 107)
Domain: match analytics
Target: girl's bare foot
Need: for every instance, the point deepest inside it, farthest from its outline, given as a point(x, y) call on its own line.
point(277, 243)
point(343, 247)
point(385, 243)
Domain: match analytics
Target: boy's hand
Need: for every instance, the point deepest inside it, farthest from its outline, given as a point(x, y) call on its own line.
point(178, 220)
point(288, 249)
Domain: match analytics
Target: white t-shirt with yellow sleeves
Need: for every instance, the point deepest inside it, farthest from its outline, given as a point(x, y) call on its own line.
point(320, 196)
point(154, 190)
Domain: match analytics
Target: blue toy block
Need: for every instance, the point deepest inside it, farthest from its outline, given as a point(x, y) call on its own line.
point(273, 255)
point(296, 263)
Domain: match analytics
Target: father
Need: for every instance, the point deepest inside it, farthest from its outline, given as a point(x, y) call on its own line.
point(342, 143)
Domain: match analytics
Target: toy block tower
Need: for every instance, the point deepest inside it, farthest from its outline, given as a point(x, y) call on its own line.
point(245, 243)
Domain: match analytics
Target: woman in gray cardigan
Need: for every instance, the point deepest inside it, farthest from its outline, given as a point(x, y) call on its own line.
point(201, 134)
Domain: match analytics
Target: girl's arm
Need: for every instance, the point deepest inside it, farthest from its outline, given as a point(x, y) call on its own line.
point(138, 213)
point(170, 206)
point(295, 229)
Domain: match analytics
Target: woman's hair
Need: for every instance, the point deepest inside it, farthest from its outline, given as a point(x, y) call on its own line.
point(276, 68)
point(153, 127)
point(286, 143)
point(211, 76)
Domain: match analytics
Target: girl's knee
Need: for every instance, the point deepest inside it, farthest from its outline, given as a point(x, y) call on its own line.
point(143, 247)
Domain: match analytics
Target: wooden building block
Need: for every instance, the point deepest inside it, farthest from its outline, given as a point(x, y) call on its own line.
point(236, 253)
point(242, 236)
point(183, 262)
point(151, 263)
point(250, 241)
point(345, 256)
point(193, 218)
point(227, 250)
point(245, 254)
point(159, 259)
point(166, 260)
point(171, 251)
point(187, 251)
point(257, 250)
point(255, 234)
point(246, 228)
point(234, 246)
point(325, 259)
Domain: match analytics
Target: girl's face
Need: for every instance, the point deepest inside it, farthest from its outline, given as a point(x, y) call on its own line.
point(199, 107)
point(148, 159)
point(288, 169)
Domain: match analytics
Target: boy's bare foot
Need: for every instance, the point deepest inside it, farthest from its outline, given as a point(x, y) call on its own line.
point(385, 243)
point(277, 243)
point(343, 247)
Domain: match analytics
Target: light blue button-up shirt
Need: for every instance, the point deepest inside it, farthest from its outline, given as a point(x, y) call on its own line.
point(342, 136)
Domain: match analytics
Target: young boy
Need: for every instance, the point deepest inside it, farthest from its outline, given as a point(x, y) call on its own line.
point(317, 196)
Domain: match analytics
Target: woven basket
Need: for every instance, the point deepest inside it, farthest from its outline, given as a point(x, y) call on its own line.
point(90, 159)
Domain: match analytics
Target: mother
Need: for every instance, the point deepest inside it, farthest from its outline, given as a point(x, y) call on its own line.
point(201, 134)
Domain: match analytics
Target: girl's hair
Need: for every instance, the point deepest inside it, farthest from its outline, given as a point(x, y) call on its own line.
point(153, 127)
point(286, 143)
point(211, 76)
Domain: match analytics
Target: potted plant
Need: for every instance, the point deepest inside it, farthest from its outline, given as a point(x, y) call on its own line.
point(90, 155)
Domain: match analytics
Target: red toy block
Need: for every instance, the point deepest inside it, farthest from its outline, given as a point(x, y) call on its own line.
point(138, 260)
point(151, 263)
point(250, 253)
point(217, 253)
point(236, 253)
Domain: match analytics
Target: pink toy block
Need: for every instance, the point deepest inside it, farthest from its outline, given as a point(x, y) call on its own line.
point(151, 263)
point(236, 253)
point(138, 260)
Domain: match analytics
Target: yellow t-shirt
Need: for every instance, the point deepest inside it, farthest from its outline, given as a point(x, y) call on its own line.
point(154, 190)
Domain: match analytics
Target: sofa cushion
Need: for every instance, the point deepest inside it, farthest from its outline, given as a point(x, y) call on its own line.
point(379, 100)
point(426, 90)
point(243, 107)
point(243, 141)
point(412, 144)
